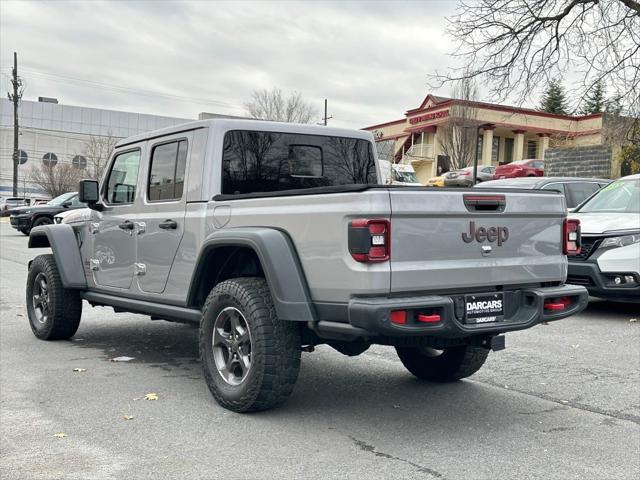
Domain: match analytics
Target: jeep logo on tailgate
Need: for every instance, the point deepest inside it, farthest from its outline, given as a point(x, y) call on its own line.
point(491, 234)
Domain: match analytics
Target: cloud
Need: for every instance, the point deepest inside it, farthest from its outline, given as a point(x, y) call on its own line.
point(370, 59)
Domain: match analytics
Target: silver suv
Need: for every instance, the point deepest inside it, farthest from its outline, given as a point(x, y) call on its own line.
point(275, 238)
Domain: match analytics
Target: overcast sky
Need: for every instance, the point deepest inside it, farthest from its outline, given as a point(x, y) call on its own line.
point(370, 59)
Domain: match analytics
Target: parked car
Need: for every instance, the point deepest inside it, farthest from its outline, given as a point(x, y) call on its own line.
point(436, 181)
point(25, 218)
point(398, 174)
point(464, 177)
point(608, 263)
point(575, 189)
point(273, 260)
point(520, 168)
point(11, 203)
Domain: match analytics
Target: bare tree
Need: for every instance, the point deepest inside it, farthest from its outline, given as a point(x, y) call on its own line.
point(517, 45)
point(56, 179)
point(97, 152)
point(273, 105)
point(458, 137)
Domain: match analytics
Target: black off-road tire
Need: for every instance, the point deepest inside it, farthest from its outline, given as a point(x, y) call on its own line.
point(42, 221)
point(63, 306)
point(448, 365)
point(275, 347)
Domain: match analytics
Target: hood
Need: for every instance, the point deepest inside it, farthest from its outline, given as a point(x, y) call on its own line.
point(37, 208)
point(591, 223)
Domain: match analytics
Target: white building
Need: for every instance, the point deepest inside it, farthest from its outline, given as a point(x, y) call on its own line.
point(50, 132)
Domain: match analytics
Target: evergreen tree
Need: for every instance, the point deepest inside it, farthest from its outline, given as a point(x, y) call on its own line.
point(554, 99)
point(614, 106)
point(594, 101)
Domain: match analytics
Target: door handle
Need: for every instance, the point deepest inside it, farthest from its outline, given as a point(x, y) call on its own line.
point(168, 224)
point(126, 225)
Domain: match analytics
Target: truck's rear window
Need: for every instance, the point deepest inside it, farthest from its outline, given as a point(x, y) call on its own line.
point(269, 161)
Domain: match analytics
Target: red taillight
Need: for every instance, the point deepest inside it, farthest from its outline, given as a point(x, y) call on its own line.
point(571, 236)
point(465, 172)
point(370, 240)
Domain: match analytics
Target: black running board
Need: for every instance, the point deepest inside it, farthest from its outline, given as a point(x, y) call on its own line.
point(160, 310)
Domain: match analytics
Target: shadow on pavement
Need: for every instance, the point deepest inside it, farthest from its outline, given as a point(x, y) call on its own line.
point(597, 306)
point(329, 386)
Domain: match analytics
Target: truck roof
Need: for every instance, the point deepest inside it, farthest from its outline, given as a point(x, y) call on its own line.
point(241, 124)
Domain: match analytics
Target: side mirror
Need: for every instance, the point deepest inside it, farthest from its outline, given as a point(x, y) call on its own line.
point(67, 204)
point(88, 192)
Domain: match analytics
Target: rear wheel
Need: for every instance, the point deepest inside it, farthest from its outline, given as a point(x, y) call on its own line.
point(250, 358)
point(448, 365)
point(54, 311)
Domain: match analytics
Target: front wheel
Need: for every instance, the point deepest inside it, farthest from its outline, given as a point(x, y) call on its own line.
point(43, 221)
point(250, 358)
point(448, 365)
point(54, 311)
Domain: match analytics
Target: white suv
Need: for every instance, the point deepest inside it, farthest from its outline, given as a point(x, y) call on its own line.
point(609, 262)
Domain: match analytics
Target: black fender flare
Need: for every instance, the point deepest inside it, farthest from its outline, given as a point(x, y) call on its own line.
point(279, 262)
point(63, 243)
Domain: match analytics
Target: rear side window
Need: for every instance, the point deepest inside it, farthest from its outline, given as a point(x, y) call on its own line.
point(123, 178)
point(166, 175)
point(578, 192)
point(270, 161)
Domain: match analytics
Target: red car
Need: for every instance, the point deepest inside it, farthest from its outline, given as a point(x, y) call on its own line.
point(520, 168)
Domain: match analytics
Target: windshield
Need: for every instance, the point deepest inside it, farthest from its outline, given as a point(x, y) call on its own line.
point(405, 177)
point(62, 198)
point(622, 196)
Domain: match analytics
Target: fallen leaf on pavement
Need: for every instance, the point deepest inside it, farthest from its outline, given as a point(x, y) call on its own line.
point(79, 369)
point(633, 320)
point(564, 401)
point(128, 417)
point(122, 359)
point(20, 314)
point(151, 396)
point(60, 435)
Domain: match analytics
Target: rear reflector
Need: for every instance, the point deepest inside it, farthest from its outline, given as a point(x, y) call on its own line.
point(399, 317)
point(429, 318)
point(571, 236)
point(370, 240)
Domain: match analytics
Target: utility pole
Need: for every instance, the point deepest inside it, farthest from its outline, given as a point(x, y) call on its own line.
point(15, 98)
point(325, 118)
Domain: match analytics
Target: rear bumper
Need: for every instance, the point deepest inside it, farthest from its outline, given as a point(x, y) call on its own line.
point(523, 309)
point(588, 274)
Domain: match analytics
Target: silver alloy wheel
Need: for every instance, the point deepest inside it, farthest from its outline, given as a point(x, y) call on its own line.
point(41, 303)
point(232, 346)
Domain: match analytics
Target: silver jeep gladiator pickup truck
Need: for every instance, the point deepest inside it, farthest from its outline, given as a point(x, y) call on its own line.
point(274, 238)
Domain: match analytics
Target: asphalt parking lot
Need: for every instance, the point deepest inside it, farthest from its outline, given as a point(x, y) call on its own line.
point(562, 401)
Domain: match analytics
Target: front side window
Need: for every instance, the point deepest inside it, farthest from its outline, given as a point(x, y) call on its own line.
point(270, 161)
point(166, 175)
point(123, 178)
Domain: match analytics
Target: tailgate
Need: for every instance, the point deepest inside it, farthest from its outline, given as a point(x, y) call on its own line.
point(441, 242)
